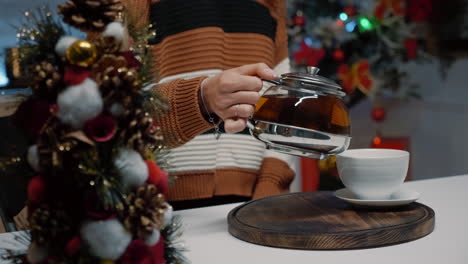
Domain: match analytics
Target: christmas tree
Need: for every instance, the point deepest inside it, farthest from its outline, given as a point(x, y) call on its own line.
point(362, 44)
point(97, 194)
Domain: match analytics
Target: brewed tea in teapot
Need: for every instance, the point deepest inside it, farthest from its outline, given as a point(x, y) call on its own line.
point(302, 114)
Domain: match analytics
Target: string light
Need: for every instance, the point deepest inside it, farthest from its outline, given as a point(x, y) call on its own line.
point(343, 16)
point(365, 24)
point(377, 141)
point(350, 26)
point(5, 163)
point(308, 41)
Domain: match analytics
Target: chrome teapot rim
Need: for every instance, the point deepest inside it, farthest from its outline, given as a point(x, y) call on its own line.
point(309, 82)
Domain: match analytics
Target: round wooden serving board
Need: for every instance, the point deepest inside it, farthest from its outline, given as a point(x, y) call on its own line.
point(319, 220)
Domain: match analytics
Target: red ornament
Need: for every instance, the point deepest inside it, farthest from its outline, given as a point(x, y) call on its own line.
point(385, 7)
point(350, 10)
point(308, 55)
point(411, 47)
point(155, 173)
point(158, 252)
point(101, 128)
point(36, 190)
point(379, 12)
point(93, 212)
point(378, 114)
point(163, 185)
point(132, 62)
point(100, 215)
point(419, 11)
point(338, 55)
point(376, 142)
point(137, 253)
point(73, 246)
point(299, 20)
point(75, 75)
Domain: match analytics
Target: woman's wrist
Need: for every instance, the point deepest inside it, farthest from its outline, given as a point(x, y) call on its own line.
point(201, 102)
point(203, 106)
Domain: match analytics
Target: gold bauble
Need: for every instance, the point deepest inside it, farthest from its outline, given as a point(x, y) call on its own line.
point(106, 261)
point(82, 53)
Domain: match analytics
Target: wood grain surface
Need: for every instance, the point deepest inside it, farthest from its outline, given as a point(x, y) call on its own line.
point(319, 220)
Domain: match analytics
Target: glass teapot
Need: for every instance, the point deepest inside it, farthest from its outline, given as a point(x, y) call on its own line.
point(302, 114)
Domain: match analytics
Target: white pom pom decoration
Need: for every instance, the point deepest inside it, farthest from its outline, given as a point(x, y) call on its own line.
point(36, 254)
point(106, 239)
point(131, 167)
point(79, 103)
point(63, 44)
point(168, 215)
point(116, 30)
point(33, 157)
point(153, 239)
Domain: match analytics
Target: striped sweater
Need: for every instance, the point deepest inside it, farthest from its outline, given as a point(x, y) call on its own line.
point(198, 39)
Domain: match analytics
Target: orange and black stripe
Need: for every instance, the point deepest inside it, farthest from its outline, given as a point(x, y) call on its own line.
point(195, 38)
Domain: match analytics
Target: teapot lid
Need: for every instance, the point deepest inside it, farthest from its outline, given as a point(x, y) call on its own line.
point(312, 81)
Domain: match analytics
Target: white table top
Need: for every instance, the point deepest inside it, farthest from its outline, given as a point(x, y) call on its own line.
point(208, 241)
point(206, 237)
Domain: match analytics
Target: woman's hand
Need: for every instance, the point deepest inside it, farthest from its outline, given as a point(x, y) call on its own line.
point(232, 94)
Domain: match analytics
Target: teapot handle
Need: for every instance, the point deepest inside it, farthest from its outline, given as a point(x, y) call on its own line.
point(274, 81)
point(250, 125)
point(253, 131)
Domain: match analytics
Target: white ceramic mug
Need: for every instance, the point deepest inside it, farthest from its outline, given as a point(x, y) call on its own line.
point(373, 173)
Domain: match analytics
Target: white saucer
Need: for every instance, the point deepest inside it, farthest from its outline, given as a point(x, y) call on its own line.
point(398, 198)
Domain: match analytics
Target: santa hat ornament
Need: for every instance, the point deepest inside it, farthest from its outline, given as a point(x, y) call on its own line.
point(153, 238)
point(106, 239)
point(131, 167)
point(63, 44)
point(116, 30)
point(119, 33)
point(79, 103)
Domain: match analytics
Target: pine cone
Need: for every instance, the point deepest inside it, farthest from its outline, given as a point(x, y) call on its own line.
point(48, 224)
point(106, 65)
point(106, 44)
point(140, 130)
point(146, 211)
point(46, 79)
point(118, 84)
point(90, 15)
